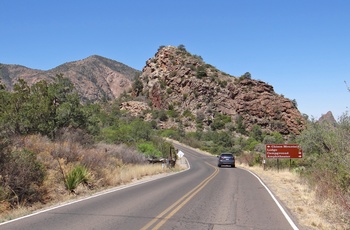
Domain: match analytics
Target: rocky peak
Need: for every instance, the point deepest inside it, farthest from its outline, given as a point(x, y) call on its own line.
point(174, 79)
point(328, 117)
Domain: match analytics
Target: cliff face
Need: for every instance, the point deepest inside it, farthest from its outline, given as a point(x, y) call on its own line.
point(257, 103)
point(95, 78)
point(175, 79)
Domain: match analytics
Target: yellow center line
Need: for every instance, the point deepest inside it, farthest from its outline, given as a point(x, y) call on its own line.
point(184, 199)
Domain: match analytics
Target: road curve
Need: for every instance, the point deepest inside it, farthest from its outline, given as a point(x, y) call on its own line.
point(203, 197)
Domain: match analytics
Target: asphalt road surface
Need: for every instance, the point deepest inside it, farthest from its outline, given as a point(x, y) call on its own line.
point(202, 197)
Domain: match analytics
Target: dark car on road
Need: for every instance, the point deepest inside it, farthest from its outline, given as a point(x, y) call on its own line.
point(226, 159)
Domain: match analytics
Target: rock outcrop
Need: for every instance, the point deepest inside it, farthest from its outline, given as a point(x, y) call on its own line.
point(175, 79)
point(329, 118)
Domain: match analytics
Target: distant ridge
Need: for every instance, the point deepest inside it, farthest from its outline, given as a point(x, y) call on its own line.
point(95, 78)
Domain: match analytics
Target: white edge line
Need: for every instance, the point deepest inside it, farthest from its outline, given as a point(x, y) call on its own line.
point(292, 224)
point(96, 195)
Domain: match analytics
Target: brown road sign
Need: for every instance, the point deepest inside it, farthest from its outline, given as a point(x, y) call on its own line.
point(283, 151)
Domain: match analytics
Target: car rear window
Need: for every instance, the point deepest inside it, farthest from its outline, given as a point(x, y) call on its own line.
point(227, 155)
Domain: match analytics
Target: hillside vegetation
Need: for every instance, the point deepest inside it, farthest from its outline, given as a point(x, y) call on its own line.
point(324, 168)
point(53, 145)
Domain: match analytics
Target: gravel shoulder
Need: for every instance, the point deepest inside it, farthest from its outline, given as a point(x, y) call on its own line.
point(299, 199)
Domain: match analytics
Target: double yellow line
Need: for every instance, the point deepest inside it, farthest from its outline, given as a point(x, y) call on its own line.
point(174, 208)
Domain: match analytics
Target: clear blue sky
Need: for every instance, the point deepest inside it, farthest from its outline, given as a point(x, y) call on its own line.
point(300, 47)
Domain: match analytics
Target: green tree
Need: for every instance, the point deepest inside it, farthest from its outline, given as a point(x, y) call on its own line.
point(42, 108)
point(137, 85)
point(326, 157)
point(181, 47)
point(240, 125)
point(149, 150)
point(66, 109)
point(19, 118)
point(219, 121)
point(273, 138)
point(163, 116)
point(256, 133)
point(5, 113)
point(201, 72)
point(247, 75)
point(141, 130)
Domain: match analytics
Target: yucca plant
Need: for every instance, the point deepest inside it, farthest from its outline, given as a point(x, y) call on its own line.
point(78, 175)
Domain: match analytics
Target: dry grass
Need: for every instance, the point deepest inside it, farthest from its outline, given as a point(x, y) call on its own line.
point(301, 200)
point(108, 165)
point(120, 176)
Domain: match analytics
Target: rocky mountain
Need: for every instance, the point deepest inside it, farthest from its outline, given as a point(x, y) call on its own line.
point(191, 93)
point(95, 78)
point(200, 94)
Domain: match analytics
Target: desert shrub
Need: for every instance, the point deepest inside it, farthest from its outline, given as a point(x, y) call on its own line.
point(198, 57)
point(148, 149)
point(223, 84)
point(257, 133)
point(127, 154)
point(69, 151)
point(141, 130)
point(192, 139)
point(4, 159)
point(173, 113)
point(109, 134)
point(163, 115)
point(4, 194)
point(246, 75)
point(95, 159)
point(251, 143)
point(219, 138)
point(201, 72)
point(241, 128)
point(327, 160)
point(137, 86)
point(163, 147)
point(250, 158)
point(171, 133)
point(129, 131)
point(219, 121)
point(4, 152)
point(169, 90)
point(78, 175)
point(182, 47)
point(23, 175)
point(273, 138)
point(172, 74)
point(187, 113)
point(69, 134)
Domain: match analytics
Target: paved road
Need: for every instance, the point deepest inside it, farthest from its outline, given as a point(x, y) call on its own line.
point(203, 197)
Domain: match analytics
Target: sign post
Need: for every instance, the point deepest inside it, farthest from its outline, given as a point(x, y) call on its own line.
point(286, 151)
point(283, 151)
